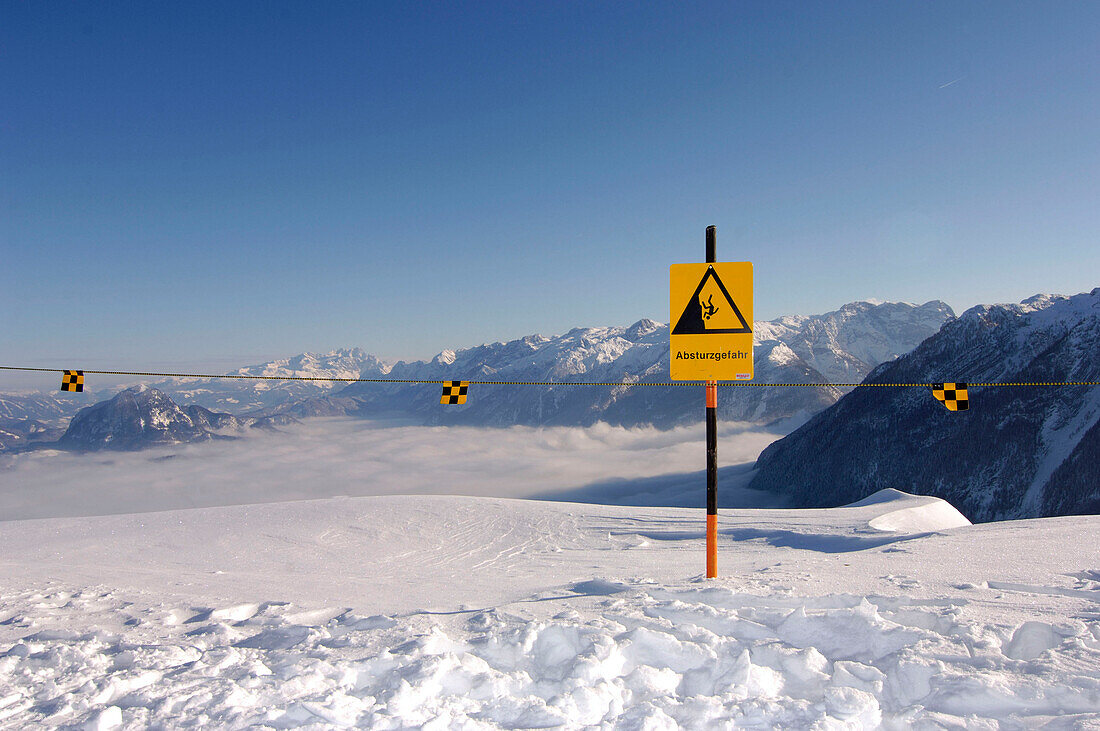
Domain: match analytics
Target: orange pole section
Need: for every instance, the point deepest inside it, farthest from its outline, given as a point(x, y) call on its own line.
point(712, 546)
point(712, 479)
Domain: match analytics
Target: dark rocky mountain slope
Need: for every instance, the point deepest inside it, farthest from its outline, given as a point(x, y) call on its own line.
point(144, 417)
point(1018, 452)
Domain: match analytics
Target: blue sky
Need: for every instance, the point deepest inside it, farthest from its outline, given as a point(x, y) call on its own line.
point(196, 185)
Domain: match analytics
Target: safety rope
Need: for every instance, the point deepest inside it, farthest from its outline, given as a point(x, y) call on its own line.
point(628, 384)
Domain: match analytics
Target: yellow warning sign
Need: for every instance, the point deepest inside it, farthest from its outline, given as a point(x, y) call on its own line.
point(711, 321)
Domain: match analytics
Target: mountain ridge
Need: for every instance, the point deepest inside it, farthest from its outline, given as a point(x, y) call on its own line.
point(806, 349)
point(837, 346)
point(257, 397)
point(1017, 452)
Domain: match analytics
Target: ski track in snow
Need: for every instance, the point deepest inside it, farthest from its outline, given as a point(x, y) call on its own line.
point(453, 612)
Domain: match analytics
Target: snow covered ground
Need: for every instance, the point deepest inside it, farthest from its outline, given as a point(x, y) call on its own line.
point(449, 611)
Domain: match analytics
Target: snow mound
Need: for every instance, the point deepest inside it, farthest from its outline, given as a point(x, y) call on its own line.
point(906, 513)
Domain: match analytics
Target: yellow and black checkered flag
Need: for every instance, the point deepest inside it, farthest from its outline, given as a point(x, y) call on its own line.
point(952, 395)
point(72, 381)
point(455, 392)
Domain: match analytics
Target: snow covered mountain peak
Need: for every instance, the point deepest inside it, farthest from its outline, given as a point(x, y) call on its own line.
point(445, 357)
point(1040, 310)
point(136, 417)
point(641, 328)
point(142, 416)
point(845, 344)
point(342, 363)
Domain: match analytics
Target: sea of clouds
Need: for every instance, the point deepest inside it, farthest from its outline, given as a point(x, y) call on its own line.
point(322, 458)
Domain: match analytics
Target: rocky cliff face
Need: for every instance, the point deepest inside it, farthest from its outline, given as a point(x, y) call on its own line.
point(1017, 452)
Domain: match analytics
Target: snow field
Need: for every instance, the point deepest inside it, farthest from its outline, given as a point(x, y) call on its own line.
point(450, 612)
point(648, 657)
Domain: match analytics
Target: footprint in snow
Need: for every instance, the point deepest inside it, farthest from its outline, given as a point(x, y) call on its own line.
point(279, 638)
point(599, 587)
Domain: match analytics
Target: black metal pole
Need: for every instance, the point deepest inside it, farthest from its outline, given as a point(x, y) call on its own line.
point(712, 445)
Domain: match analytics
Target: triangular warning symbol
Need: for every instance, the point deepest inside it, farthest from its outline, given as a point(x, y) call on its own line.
point(711, 310)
